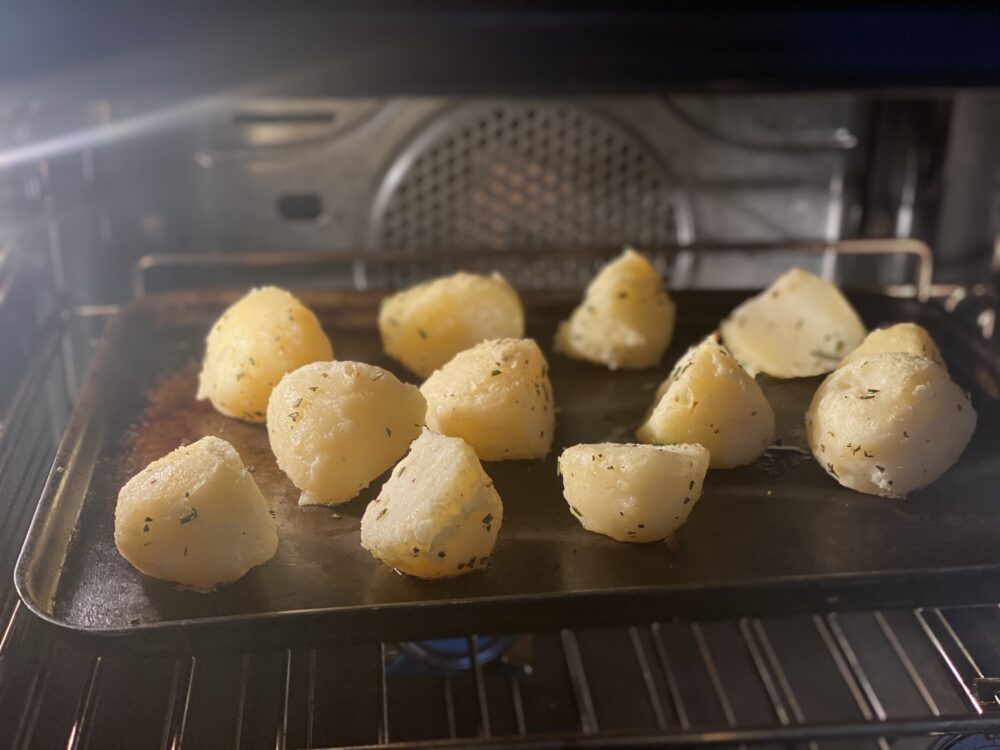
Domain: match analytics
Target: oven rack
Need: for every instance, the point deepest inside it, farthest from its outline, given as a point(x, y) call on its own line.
point(850, 678)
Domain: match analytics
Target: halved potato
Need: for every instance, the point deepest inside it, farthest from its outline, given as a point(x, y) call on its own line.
point(195, 517)
point(709, 399)
point(497, 397)
point(425, 326)
point(626, 319)
point(902, 337)
point(336, 426)
point(438, 515)
point(890, 424)
point(633, 493)
point(798, 327)
point(258, 339)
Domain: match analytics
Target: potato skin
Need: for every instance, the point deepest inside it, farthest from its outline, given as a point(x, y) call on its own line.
point(195, 517)
point(709, 399)
point(258, 339)
point(902, 337)
point(890, 424)
point(336, 426)
point(425, 326)
point(630, 492)
point(798, 327)
point(438, 515)
point(626, 319)
point(497, 397)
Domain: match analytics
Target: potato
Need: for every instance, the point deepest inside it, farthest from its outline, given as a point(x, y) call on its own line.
point(890, 424)
point(633, 493)
point(438, 515)
point(336, 426)
point(195, 517)
point(709, 399)
point(257, 340)
point(497, 397)
point(425, 326)
point(626, 319)
point(902, 337)
point(800, 326)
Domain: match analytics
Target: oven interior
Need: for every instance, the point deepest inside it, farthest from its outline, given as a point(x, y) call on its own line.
point(104, 199)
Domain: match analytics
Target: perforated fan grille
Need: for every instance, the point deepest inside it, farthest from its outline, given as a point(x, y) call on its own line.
point(522, 176)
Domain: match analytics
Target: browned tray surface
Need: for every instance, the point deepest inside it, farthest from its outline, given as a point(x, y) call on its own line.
point(778, 534)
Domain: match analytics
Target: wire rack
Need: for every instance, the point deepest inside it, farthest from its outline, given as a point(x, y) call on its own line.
point(827, 679)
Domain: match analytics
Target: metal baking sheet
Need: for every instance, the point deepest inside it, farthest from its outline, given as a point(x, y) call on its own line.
point(774, 536)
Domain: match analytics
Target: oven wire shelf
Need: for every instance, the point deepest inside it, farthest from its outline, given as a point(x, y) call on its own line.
point(860, 678)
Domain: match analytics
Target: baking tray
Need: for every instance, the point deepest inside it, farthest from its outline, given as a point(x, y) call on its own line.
point(779, 535)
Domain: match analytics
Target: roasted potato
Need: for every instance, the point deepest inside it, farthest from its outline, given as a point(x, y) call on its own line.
point(259, 339)
point(626, 319)
point(438, 515)
point(633, 493)
point(709, 399)
point(798, 327)
point(336, 426)
point(195, 517)
point(425, 326)
point(890, 424)
point(497, 397)
point(902, 337)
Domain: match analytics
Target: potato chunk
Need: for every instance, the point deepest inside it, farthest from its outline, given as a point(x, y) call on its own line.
point(438, 515)
point(497, 397)
point(902, 337)
point(633, 493)
point(260, 338)
point(195, 517)
point(890, 424)
point(626, 319)
point(709, 399)
point(336, 426)
point(800, 326)
point(425, 326)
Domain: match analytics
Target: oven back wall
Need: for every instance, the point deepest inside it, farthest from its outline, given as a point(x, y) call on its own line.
point(99, 186)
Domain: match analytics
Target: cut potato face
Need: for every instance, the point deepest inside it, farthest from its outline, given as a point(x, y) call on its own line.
point(438, 515)
point(259, 339)
point(425, 326)
point(626, 319)
point(890, 424)
point(799, 327)
point(497, 397)
point(633, 493)
point(195, 517)
point(902, 337)
point(336, 426)
point(709, 399)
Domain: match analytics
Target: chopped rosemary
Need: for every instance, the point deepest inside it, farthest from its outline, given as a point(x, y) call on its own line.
point(189, 517)
point(494, 373)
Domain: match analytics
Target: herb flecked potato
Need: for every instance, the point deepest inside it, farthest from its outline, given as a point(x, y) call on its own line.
point(633, 493)
point(798, 327)
point(626, 319)
point(425, 326)
point(438, 515)
point(336, 426)
point(258, 339)
point(497, 397)
point(902, 337)
point(710, 399)
point(195, 517)
point(890, 424)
